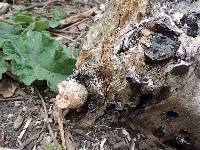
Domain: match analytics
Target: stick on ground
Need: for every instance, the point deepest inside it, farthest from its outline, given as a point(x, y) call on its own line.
point(47, 119)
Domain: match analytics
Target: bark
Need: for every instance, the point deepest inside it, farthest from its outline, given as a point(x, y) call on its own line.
point(146, 54)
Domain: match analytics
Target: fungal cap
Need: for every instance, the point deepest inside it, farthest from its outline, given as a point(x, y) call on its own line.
point(72, 95)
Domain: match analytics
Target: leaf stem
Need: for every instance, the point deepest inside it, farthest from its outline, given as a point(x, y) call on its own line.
point(7, 21)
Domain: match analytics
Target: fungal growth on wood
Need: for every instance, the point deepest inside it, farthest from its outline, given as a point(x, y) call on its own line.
point(71, 95)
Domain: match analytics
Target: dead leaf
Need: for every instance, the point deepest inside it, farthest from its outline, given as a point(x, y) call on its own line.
point(4, 8)
point(2, 138)
point(21, 92)
point(79, 17)
point(7, 88)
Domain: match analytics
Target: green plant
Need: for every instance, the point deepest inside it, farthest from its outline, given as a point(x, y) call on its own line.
point(33, 53)
point(51, 146)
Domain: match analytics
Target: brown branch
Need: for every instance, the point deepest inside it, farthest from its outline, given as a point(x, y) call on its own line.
point(61, 128)
point(77, 23)
point(32, 138)
point(19, 98)
point(67, 38)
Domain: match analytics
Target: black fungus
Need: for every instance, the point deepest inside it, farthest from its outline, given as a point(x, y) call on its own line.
point(181, 69)
point(190, 22)
point(161, 49)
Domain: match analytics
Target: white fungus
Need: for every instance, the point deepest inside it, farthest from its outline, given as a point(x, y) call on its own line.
point(72, 95)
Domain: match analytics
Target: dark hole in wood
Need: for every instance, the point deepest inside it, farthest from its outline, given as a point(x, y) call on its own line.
point(171, 115)
point(145, 100)
point(178, 146)
point(159, 28)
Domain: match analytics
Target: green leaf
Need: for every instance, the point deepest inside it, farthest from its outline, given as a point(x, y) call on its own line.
point(36, 56)
point(2, 65)
point(23, 18)
point(57, 16)
point(7, 31)
point(54, 23)
point(42, 24)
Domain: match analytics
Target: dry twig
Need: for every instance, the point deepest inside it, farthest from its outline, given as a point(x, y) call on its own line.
point(77, 23)
point(1, 148)
point(78, 38)
point(32, 138)
point(24, 130)
point(61, 128)
point(40, 4)
point(47, 119)
point(66, 137)
point(77, 18)
point(68, 32)
point(19, 98)
point(67, 38)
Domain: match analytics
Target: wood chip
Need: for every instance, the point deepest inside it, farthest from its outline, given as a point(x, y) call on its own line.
point(18, 122)
point(102, 144)
point(24, 130)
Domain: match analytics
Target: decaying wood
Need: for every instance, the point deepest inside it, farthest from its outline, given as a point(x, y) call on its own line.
point(147, 53)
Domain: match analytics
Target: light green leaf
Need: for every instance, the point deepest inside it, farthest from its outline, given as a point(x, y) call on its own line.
point(36, 56)
point(7, 31)
point(41, 24)
point(56, 17)
point(23, 18)
point(54, 23)
point(2, 65)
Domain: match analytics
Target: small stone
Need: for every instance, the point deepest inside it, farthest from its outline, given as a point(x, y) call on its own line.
point(18, 103)
point(18, 122)
point(177, 16)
